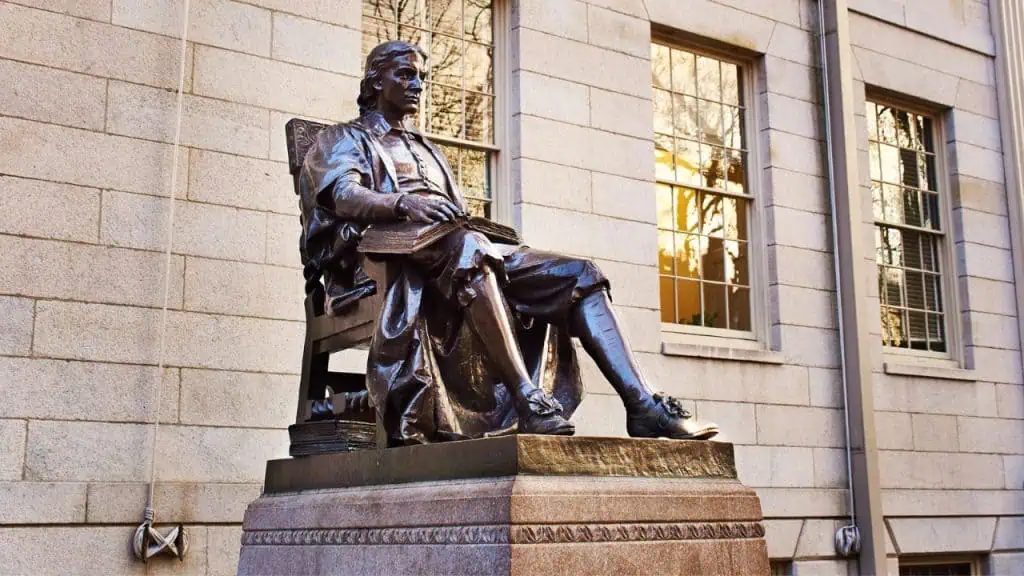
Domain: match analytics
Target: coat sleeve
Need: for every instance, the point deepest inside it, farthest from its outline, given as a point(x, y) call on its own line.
point(341, 172)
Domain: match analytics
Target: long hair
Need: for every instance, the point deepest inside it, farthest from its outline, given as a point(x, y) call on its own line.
point(376, 60)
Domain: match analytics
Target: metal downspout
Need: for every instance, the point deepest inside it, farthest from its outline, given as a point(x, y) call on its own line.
point(847, 538)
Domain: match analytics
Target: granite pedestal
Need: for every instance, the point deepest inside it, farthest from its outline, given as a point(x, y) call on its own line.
point(511, 505)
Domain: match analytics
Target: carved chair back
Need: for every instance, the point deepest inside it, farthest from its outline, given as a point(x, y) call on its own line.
point(329, 334)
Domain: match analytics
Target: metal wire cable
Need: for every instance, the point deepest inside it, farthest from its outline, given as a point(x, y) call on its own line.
point(156, 396)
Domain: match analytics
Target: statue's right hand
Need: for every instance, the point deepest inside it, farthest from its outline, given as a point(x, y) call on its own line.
point(422, 208)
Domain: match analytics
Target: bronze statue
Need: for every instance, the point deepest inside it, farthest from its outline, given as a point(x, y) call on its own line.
point(474, 336)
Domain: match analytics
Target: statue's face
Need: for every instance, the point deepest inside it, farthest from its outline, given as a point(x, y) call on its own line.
point(401, 84)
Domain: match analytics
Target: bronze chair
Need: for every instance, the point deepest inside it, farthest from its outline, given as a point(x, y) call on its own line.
point(333, 409)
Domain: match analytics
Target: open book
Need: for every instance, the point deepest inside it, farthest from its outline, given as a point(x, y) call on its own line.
point(406, 237)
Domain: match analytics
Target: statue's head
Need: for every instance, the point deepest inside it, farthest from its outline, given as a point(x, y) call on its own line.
point(393, 78)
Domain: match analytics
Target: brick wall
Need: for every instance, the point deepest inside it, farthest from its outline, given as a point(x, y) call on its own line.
point(87, 113)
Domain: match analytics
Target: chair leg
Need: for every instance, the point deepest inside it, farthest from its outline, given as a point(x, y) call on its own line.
point(312, 385)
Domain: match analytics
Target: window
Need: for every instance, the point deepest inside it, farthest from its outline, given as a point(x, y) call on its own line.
point(908, 228)
point(963, 568)
point(702, 192)
point(781, 567)
point(458, 97)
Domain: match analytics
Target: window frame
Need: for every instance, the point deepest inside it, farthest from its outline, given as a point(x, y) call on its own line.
point(500, 200)
point(757, 336)
point(949, 272)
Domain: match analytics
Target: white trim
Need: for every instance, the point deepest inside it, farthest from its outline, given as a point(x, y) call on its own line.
point(502, 204)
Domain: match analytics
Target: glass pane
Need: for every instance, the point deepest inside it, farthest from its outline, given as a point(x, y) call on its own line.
point(709, 79)
point(739, 308)
point(911, 207)
point(688, 163)
point(906, 130)
point(687, 213)
point(478, 21)
point(872, 120)
point(716, 314)
point(662, 112)
point(666, 287)
point(731, 86)
point(666, 253)
point(737, 172)
point(876, 201)
point(663, 199)
point(732, 126)
point(478, 65)
point(892, 199)
point(661, 74)
point(445, 16)
point(926, 172)
point(936, 333)
point(918, 330)
point(688, 302)
point(445, 111)
point(663, 167)
point(881, 253)
point(933, 292)
point(736, 263)
point(711, 122)
point(734, 212)
point(475, 173)
point(479, 116)
point(379, 9)
point(890, 157)
point(886, 125)
point(909, 175)
point(481, 208)
point(892, 246)
point(912, 257)
point(892, 326)
point(685, 115)
point(712, 220)
point(893, 281)
point(876, 161)
point(446, 60)
point(687, 259)
point(713, 260)
point(929, 253)
point(915, 290)
point(684, 72)
point(712, 163)
point(413, 13)
point(376, 32)
point(927, 135)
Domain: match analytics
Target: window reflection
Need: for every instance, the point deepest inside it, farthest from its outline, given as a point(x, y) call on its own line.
point(701, 166)
point(458, 100)
point(905, 207)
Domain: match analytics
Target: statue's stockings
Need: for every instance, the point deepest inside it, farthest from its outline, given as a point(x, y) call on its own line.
point(592, 320)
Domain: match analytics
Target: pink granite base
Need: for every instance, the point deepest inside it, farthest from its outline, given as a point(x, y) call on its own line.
point(518, 525)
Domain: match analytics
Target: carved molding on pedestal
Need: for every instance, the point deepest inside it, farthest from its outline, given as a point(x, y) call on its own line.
point(515, 534)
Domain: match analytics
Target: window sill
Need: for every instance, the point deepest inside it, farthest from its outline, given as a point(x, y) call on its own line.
point(930, 371)
point(722, 353)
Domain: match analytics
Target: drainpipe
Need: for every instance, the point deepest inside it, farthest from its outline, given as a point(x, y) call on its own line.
point(864, 535)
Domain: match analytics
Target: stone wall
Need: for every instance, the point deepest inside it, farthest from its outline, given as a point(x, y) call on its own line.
point(87, 117)
point(88, 105)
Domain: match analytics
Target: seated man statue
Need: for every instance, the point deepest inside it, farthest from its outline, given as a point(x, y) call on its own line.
point(474, 336)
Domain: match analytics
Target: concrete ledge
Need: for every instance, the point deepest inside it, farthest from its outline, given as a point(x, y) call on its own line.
point(930, 371)
point(722, 353)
